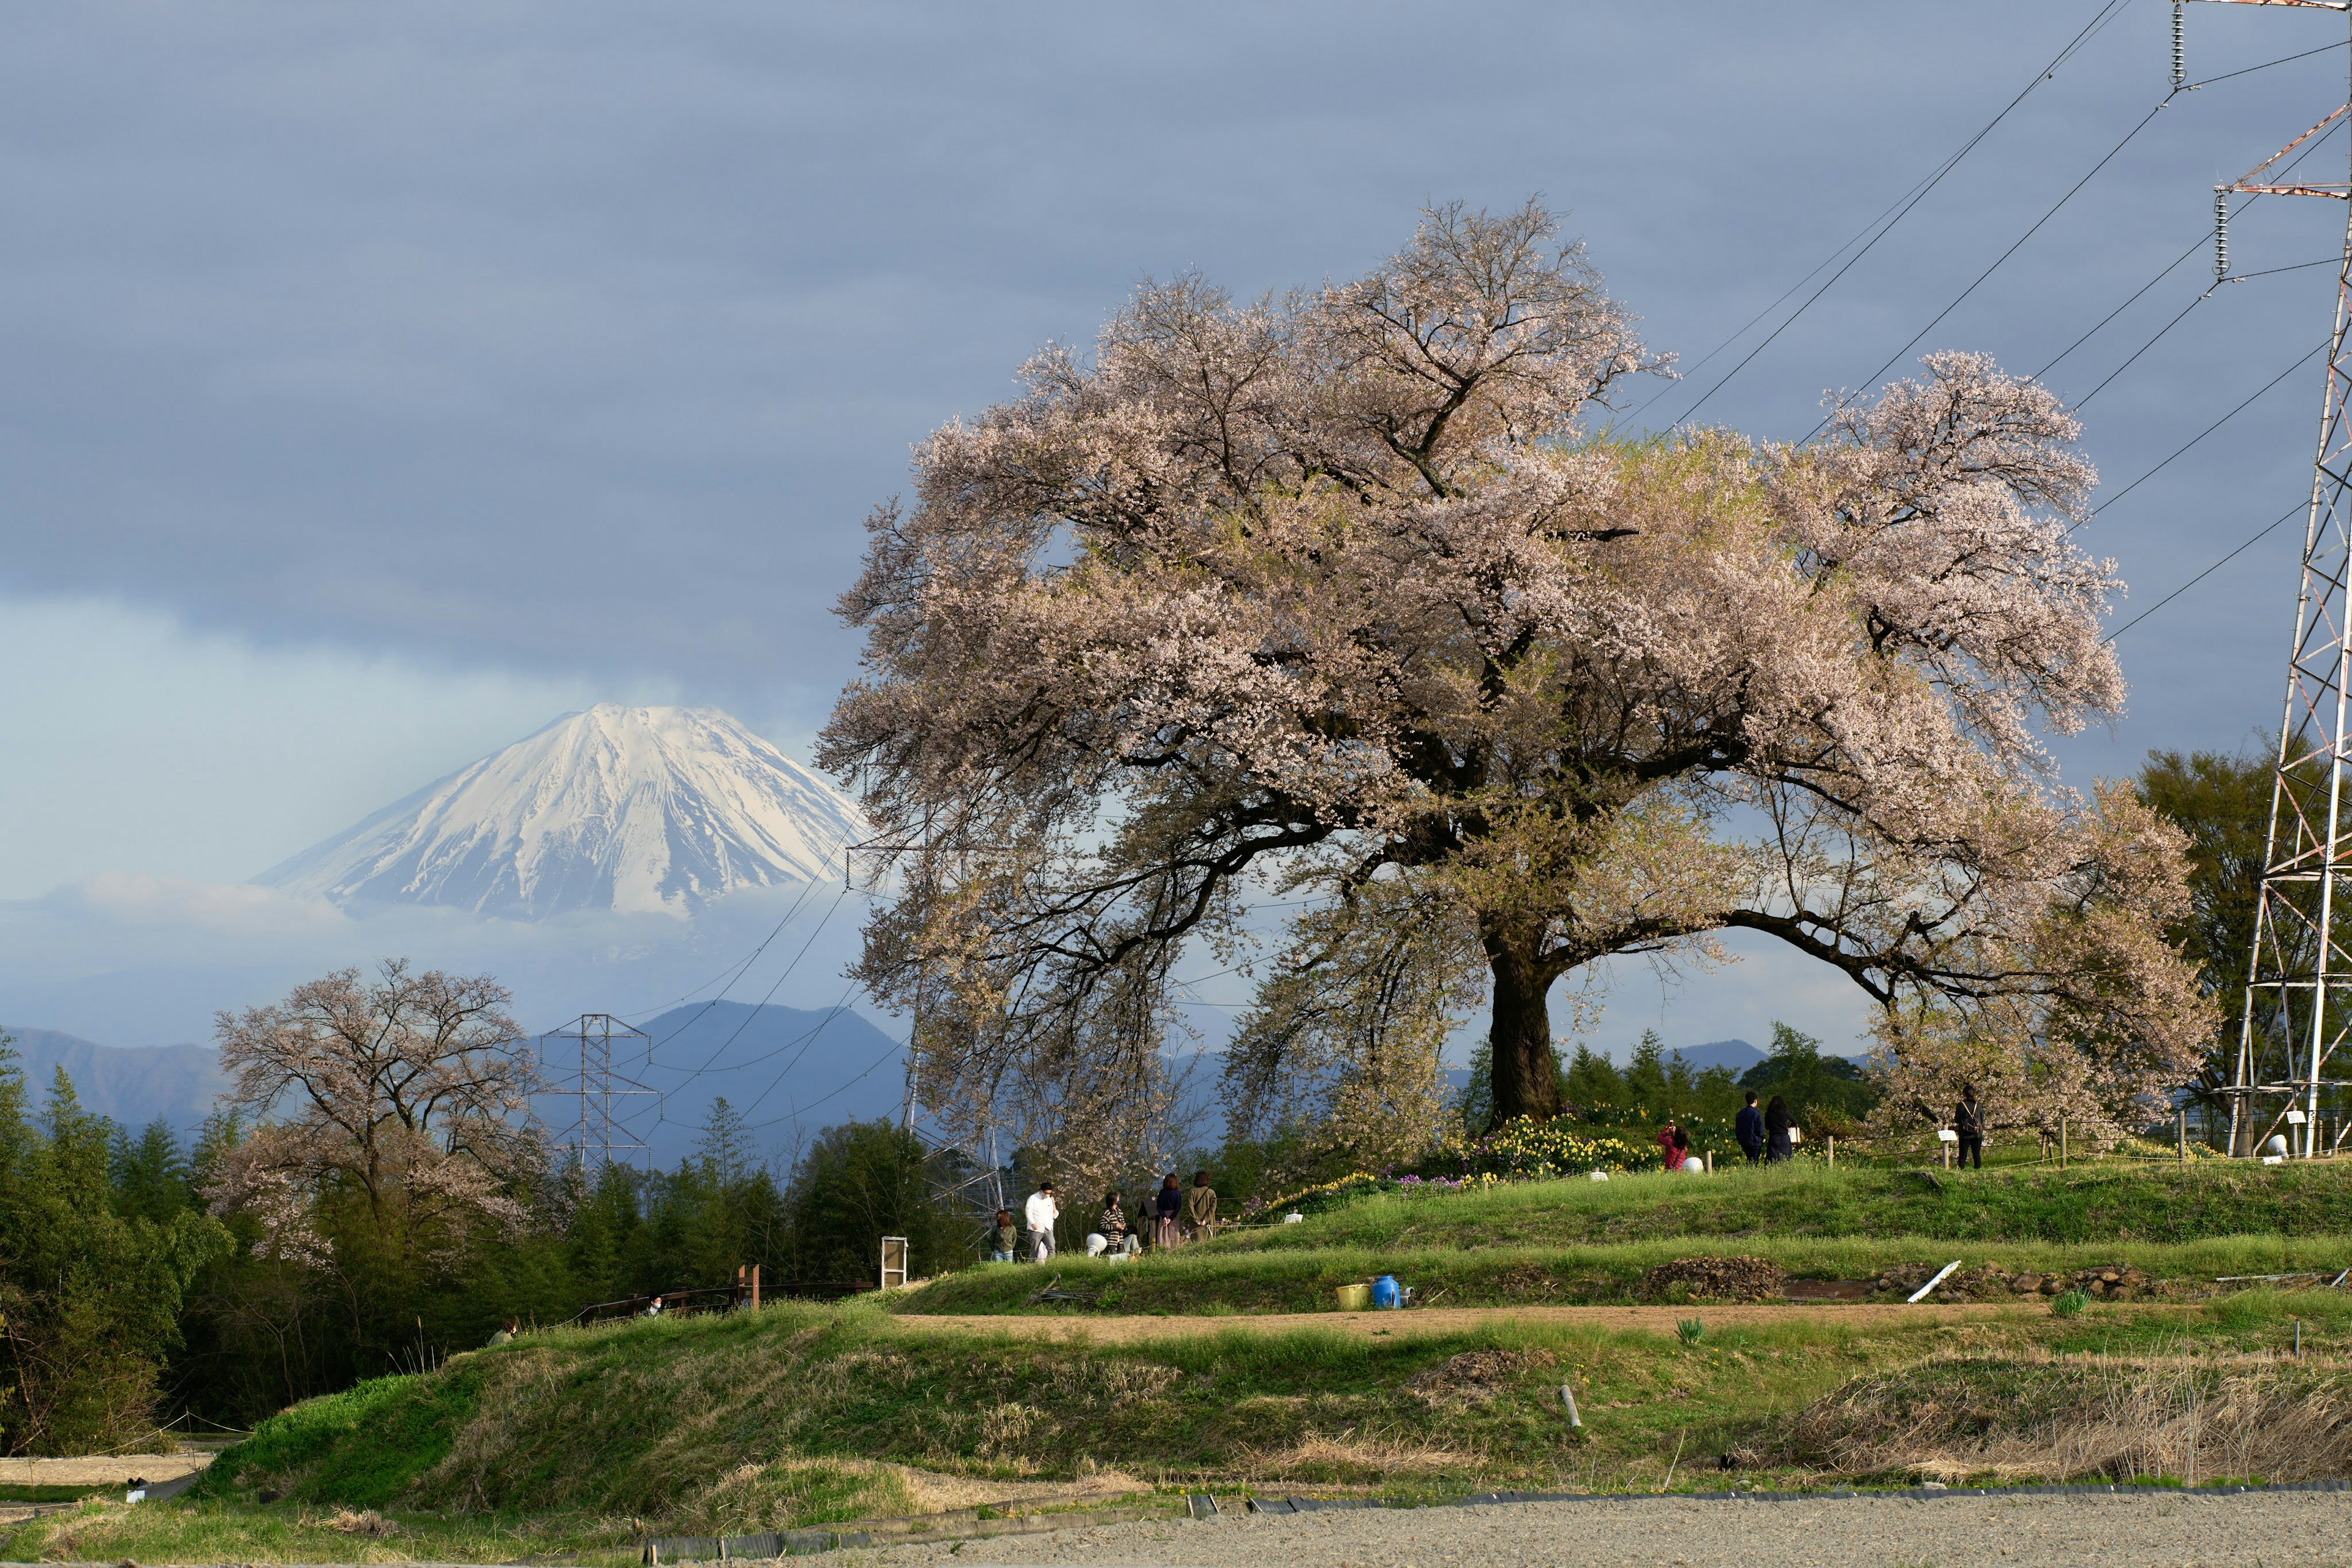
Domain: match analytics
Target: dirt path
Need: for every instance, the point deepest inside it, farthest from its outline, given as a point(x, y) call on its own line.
point(1429, 1320)
point(103, 1470)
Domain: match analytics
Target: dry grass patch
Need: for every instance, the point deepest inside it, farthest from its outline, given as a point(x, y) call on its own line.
point(2183, 1417)
point(1475, 1377)
point(1357, 1457)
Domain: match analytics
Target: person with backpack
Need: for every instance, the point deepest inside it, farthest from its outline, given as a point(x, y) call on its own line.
point(1967, 1121)
point(1006, 1239)
point(1749, 1128)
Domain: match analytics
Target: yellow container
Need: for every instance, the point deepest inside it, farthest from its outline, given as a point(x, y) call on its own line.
point(1355, 1297)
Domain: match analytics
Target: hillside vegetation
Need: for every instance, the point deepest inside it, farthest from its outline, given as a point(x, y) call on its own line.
point(1583, 1241)
point(575, 1443)
point(2091, 1201)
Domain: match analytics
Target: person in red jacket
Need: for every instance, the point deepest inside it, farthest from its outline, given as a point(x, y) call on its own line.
point(1674, 1145)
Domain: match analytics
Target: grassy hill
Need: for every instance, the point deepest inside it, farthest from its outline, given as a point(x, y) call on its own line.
point(572, 1443)
point(1585, 1241)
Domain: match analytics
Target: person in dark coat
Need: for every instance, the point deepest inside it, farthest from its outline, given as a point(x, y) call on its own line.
point(1779, 1146)
point(1749, 1128)
point(1168, 1203)
point(1967, 1121)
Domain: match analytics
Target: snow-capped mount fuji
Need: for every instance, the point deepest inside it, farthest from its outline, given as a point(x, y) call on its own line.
point(637, 810)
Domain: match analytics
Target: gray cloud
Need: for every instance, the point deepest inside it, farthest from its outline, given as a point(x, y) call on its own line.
point(578, 338)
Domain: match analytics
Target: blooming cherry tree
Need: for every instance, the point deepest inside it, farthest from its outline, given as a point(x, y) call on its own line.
point(408, 1095)
point(1342, 591)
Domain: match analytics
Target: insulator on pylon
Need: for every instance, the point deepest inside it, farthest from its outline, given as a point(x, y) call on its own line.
point(2221, 235)
point(2179, 55)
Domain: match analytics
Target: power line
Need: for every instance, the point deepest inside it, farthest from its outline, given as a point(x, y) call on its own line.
point(2169, 268)
point(736, 970)
point(2283, 59)
point(2248, 543)
point(1959, 298)
point(2195, 246)
point(754, 1011)
point(2301, 360)
point(2044, 74)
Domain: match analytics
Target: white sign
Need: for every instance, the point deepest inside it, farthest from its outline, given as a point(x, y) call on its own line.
point(1947, 1135)
point(2295, 1119)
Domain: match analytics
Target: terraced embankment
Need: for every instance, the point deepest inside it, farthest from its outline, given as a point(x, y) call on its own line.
point(575, 1444)
point(1592, 1242)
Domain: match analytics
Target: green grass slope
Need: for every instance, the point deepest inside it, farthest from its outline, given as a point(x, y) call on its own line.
point(1580, 1241)
point(572, 1444)
point(2091, 1202)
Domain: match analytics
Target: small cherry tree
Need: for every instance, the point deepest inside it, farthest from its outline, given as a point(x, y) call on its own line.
point(1339, 594)
point(407, 1098)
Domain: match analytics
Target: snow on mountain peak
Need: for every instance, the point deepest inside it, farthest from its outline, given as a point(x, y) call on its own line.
point(639, 810)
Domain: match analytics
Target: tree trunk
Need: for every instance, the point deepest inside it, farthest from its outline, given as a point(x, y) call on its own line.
point(1525, 1079)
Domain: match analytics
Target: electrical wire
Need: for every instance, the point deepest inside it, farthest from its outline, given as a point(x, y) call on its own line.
point(2019, 244)
point(2084, 400)
point(2173, 266)
point(2255, 537)
point(763, 1001)
point(2283, 59)
point(2195, 246)
point(2301, 360)
point(736, 970)
point(2105, 12)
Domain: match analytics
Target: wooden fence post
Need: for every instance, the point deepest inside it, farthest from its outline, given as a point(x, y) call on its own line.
point(2062, 1142)
point(2180, 1121)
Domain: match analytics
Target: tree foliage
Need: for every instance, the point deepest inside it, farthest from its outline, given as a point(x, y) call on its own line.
point(2222, 802)
point(95, 1257)
point(1336, 591)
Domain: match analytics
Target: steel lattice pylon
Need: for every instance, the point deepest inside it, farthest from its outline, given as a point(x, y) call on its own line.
point(2299, 986)
point(594, 1134)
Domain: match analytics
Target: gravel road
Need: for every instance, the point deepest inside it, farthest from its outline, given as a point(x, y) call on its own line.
point(2276, 1530)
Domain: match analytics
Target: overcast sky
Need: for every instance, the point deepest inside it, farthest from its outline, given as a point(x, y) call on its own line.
point(378, 381)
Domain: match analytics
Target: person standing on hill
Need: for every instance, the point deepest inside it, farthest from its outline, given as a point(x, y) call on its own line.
point(1778, 1124)
point(1168, 1203)
point(1967, 1121)
point(1005, 1240)
point(1200, 1207)
point(1042, 1211)
point(1749, 1128)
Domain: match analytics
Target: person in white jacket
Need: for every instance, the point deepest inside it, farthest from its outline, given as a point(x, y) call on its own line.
point(1042, 1211)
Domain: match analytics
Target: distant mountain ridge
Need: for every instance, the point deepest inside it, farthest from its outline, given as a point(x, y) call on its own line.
point(134, 1084)
point(635, 810)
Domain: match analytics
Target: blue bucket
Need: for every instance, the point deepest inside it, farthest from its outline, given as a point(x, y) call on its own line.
point(1385, 1294)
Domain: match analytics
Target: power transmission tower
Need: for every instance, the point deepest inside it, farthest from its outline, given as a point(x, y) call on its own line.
point(597, 1086)
point(2299, 984)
